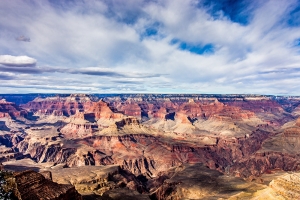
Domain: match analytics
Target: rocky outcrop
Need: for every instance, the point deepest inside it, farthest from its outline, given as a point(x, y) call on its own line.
point(191, 109)
point(41, 151)
point(98, 179)
point(298, 122)
point(146, 154)
point(9, 109)
point(60, 105)
point(268, 110)
point(73, 130)
point(131, 108)
point(258, 105)
point(124, 194)
point(287, 186)
point(240, 135)
point(32, 185)
point(160, 113)
point(258, 164)
point(182, 117)
point(101, 110)
point(195, 181)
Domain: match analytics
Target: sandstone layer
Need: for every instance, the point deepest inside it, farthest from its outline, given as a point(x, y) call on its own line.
point(30, 185)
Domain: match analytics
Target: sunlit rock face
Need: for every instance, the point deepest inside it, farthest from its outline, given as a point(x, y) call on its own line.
point(9, 109)
point(60, 105)
point(33, 185)
point(149, 136)
point(283, 186)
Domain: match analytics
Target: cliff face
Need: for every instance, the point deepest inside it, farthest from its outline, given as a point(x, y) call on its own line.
point(99, 179)
point(131, 108)
point(144, 154)
point(29, 185)
point(9, 109)
point(195, 181)
point(258, 105)
point(147, 135)
point(101, 110)
point(59, 106)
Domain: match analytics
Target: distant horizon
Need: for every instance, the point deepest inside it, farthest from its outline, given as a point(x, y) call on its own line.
point(209, 94)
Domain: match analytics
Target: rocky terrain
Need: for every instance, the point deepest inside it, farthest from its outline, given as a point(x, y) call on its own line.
point(29, 184)
point(154, 146)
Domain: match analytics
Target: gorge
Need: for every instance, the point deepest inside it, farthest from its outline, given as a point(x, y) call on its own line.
point(152, 146)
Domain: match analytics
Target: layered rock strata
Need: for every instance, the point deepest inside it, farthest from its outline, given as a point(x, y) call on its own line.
point(31, 185)
point(9, 109)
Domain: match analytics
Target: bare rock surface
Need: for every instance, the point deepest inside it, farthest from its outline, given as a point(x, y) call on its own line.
point(124, 194)
point(9, 109)
point(86, 178)
point(285, 186)
point(150, 143)
point(198, 182)
point(32, 185)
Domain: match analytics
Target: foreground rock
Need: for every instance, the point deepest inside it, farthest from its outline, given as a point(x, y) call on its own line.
point(30, 185)
point(286, 186)
point(195, 181)
point(124, 194)
point(97, 179)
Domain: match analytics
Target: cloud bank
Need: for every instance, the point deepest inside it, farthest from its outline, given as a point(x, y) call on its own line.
point(163, 46)
point(16, 60)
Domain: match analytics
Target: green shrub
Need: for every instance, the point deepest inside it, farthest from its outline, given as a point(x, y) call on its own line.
point(7, 186)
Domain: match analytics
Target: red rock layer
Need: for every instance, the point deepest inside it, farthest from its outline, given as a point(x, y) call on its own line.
point(73, 130)
point(160, 114)
point(191, 109)
point(8, 109)
point(148, 154)
point(131, 108)
point(101, 110)
point(215, 111)
point(258, 106)
point(298, 122)
point(292, 132)
point(59, 106)
point(182, 117)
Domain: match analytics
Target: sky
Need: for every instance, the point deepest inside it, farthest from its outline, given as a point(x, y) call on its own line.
point(150, 46)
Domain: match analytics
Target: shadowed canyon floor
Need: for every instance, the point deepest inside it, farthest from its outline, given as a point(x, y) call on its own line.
point(157, 146)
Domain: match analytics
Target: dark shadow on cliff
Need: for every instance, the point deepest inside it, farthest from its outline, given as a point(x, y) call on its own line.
point(3, 127)
point(30, 116)
point(198, 177)
point(56, 124)
point(92, 197)
point(170, 116)
point(18, 168)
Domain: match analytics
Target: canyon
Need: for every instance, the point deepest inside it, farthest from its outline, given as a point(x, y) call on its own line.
point(156, 146)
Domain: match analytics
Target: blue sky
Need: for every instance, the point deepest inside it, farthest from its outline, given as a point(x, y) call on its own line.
point(150, 46)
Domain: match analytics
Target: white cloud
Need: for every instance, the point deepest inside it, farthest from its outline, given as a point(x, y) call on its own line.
point(70, 39)
point(16, 60)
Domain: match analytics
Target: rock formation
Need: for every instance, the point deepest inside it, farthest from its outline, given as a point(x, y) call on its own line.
point(146, 137)
point(198, 182)
point(285, 186)
point(29, 185)
point(9, 109)
point(60, 106)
